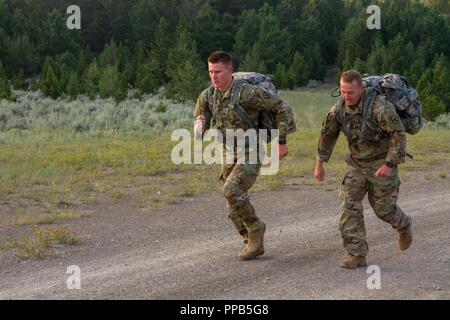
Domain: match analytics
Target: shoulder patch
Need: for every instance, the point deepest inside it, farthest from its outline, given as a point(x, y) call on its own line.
point(395, 119)
point(266, 95)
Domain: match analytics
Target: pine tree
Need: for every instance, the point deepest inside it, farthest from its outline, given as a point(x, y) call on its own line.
point(353, 42)
point(92, 78)
point(279, 75)
point(143, 17)
point(274, 44)
point(18, 80)
point(148, 78)
point(49, 83)
point(63, 74)
point(316, 62)
point(284, 77)
point(321, 20)
point(432, 107)
point(300, 70)
point(360, 66)
point(185, 70)
point(112, 84)
point(434, 87)
point(209, 31)
point(146, 14)
point(441, 81)
point(250, 62)
point(159, 51)
point(58, 38)
point(400, 55)
point(5, 90)
point(140, 53)
point(246, 35)
point(83, 62)
point(21, 54)
point(424, 85)
point(73, 86)
point(188, 82)
point(442, 6)
point(376, 60)
point(415, 71)
point(111, 55)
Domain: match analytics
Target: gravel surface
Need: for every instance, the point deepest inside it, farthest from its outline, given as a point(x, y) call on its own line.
point(188, 251)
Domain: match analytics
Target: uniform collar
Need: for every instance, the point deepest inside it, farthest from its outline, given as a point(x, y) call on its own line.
point(358, 108)
point(226, 94)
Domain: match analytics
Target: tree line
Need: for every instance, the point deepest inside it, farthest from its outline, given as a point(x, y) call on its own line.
point(149, 44)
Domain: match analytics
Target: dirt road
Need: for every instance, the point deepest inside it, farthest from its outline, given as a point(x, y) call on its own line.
point(188, 250)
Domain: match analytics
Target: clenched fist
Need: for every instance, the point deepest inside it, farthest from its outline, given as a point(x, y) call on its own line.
point(319, 173)
point(199, 126)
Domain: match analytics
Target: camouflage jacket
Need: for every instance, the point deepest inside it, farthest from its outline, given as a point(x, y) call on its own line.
point(252, 98)
point(384, 138)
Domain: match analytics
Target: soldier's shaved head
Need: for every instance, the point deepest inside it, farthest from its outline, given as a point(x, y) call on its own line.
point(352, 88)
point(220, 57)
point(350, 76)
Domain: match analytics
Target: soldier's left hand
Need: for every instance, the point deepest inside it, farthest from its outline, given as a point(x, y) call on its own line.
point(384, 171)
point(282, 151)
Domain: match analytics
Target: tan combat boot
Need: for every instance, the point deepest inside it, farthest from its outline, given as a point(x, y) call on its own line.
point(353, 262)
point(255, 245)
point(405, 238)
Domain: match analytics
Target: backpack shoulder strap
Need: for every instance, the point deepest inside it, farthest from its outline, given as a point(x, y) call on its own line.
point(341, 119)
point(243, 115)
point(211, 104)
point(238, 87)
point(368, 99)
point(236, 92)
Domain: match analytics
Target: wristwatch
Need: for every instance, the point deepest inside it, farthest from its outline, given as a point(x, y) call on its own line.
point(281, 141)
point(390, 164)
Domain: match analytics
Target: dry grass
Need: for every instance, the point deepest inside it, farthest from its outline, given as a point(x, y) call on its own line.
point(39, 219)
point(38, 245)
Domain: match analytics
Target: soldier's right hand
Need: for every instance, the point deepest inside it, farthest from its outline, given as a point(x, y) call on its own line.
point(198, 126)
point(319, 173)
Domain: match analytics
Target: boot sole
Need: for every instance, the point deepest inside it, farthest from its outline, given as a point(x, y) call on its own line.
point(354, 267)
point(261, 252)
point(409, 233)
point(246, 258)
point(360, 265)
point(405, 248)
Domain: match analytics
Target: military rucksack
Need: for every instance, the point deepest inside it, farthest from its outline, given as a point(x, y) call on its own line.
point(405, 99)
point(266, 119)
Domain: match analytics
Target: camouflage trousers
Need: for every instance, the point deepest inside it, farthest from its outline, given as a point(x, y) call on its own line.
point(383, 194)
point(237, 179)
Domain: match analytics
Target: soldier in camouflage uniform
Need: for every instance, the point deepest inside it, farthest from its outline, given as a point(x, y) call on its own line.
point(238, 178)
point(372, 166)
